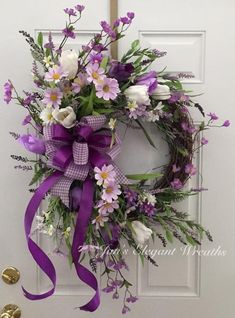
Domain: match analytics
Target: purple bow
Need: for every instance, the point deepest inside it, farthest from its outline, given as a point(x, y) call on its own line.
point(72, 155)
point(75, 153)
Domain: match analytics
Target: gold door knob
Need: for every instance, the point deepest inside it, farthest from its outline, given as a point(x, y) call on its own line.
point(10, 275)
point(11, 311)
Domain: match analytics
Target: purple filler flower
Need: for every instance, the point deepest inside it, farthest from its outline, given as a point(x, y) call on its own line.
point(149, 80)
point(213, 116)
point(95, 57)
point(131, 15)
point(105, 26)
point(190, 169)
point(69, 32)
point(33, 144)
point(79, 7)
point(70, 12)
point(108, 289)
point(204, 141)
point(226, 123)
point(131, 299)
point(120, 71)
point(8, 92)
point(26, 120)
point(125, 309)
point(147, 208)
point(125, 20)
point(131, 196)
point(176, 184)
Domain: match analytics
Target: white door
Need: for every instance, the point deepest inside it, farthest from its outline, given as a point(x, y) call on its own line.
point(199, 37)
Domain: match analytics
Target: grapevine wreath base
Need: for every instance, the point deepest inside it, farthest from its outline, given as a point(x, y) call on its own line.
point(75, 107)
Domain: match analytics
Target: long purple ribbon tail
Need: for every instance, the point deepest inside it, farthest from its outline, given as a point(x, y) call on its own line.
point(83, 219)
point(39, 256)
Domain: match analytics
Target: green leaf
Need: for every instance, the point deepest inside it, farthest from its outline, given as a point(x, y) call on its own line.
point(135, 44)
point(190, 240)
point(105, 111)
point(87, 108)
point(182, 151)
point(104, 62)
point(40, 39)
point(169, 236)
point(144, 176)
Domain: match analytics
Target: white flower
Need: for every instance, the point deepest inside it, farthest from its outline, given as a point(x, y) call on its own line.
point(46, 115)
point(50, 230)
point(65, 116)
point(154, 115)
point(48, 62)
point(162, 92)
point(150, 198)
point(66, 233)
point(112, 123)
point(132, 105)
point(141, 233)
point(100, 220)
point(138, 93)
point(69, 63)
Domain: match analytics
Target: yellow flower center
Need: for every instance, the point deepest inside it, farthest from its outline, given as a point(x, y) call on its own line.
point(95, 75)
point(49, 116)
point(109, 190)
point(104, 175)
point(53, 97)
point(98, 218)
point(56, 76)
point(106, 88)
point(107, 205)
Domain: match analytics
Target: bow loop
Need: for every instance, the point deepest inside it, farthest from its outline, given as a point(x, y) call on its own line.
point(80, 153)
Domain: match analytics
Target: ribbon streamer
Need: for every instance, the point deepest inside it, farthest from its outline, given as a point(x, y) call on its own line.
point(39, 256)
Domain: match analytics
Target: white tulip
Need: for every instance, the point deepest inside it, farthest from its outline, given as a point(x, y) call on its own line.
point(162, 92)
point(65, 116)
point(141, 233)
point(69, 63)
point(138, 94)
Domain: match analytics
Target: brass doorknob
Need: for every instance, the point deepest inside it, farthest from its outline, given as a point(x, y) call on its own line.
point(10, 275)
point(11, 311)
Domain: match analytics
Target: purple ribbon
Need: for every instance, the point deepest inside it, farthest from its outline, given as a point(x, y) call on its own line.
point(72, 155)
point(39, 256)
point(83, 217)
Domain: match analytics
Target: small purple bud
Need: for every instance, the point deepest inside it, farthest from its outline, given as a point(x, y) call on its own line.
point(226, 123)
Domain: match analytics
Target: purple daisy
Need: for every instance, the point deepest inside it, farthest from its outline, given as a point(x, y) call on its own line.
point(52, 97)
point(107, 89)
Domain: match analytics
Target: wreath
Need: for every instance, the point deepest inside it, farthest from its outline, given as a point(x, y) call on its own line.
point(92, 205)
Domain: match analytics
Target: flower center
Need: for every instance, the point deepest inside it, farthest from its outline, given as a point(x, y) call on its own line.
point(53, 97)
point(109, 190)
point(49, 117)
point(99, 218)
point(104, 175)
point(56, 76)
point(106, 88)
point(95, 75)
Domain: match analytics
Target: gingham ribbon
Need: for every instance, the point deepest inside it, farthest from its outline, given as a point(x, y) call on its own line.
point(76, 153)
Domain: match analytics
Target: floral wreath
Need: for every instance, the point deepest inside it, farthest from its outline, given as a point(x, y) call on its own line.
point(92, 205)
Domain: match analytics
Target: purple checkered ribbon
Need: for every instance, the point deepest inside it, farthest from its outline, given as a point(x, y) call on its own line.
point(76, 153)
